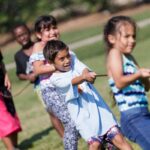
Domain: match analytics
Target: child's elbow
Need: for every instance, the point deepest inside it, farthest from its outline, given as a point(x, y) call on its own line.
point(36, 72)
point(119, 86)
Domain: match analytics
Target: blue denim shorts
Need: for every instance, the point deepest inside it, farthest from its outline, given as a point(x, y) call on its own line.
point(135, 125)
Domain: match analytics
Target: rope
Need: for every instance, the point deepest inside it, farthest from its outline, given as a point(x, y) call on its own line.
point(101, 75)
point(7, 93)
point(21, 91)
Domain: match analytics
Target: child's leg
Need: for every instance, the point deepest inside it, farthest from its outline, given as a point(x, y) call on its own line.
point(71, 136)
point(95, 146)
point(54, 120)
point(57, 105)
point(8, 143)
point(14, 139)
point(117, 139)
point(57, 124)
point(120, 142)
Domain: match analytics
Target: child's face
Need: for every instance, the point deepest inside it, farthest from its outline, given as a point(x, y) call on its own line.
point(124, 39)
point(62, 61)
point(22, 35)
point(48, 34)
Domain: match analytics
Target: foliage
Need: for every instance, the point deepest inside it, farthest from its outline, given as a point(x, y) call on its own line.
point(16, 11)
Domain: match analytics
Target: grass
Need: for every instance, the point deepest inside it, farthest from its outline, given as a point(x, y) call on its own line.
point(38, 133)
point(95, 30)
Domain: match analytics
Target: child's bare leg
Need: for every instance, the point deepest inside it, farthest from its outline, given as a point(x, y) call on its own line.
point(95, 146)
point(120, 142)
point(14, 139)
point(57, 124)
point(8, 143)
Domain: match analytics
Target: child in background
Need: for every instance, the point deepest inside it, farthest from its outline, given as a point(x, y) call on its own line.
point(127, 80)
point(94, 120)
point(9, 121)
point(46, 30)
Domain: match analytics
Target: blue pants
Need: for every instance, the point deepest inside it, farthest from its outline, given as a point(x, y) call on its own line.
point(135, 125)
point(56, 104)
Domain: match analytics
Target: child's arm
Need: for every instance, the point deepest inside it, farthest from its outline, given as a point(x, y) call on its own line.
point(85, 76)
point(116, 70)
point(145, 81)
point(31, 77)
point(40, 68)
point(7, 82)
point(80, 68)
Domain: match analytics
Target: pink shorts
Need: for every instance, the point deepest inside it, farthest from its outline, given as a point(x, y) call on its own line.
point(8, 123)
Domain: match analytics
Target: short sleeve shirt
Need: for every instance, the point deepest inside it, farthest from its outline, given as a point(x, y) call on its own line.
point(21, 60)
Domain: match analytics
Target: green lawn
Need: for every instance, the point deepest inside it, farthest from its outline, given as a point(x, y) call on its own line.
point(38, 133)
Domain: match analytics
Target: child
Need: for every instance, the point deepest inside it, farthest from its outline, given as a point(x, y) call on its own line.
point(92, 117)
point(127, 80)
point(9, 121)
point(22, 35)
point(46, 29)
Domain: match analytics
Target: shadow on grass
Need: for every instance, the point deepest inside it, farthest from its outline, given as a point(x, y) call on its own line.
point(28, 143)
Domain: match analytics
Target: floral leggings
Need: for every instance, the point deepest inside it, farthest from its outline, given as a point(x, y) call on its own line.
point(56, 104)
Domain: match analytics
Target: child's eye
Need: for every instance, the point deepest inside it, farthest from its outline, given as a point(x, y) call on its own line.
point(61, 59)
point(126, 36)
point(134, 36)
point(46, 29)
point(54, 27)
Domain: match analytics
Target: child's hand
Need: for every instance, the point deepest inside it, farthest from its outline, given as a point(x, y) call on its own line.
point(89, 76)
point(144, 73)
point(7, 82)
point(51, 66)
point(31, 77)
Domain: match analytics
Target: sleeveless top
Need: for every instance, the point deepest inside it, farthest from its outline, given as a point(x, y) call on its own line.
point(44, 78)
point(133, 95)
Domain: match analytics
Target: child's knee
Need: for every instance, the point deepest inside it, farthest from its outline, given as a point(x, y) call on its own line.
point(94, 145)
point(120, 142)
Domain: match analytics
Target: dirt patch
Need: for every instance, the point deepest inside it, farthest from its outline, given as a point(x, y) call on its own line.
point(97, 19)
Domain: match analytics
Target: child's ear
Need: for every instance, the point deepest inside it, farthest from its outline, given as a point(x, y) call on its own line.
point(38, 35)
point(111, 38)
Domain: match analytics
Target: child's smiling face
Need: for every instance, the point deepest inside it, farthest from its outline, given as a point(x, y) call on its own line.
point(125, 38)
point(62, 61)
point(22, 35)
point(47, 34)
